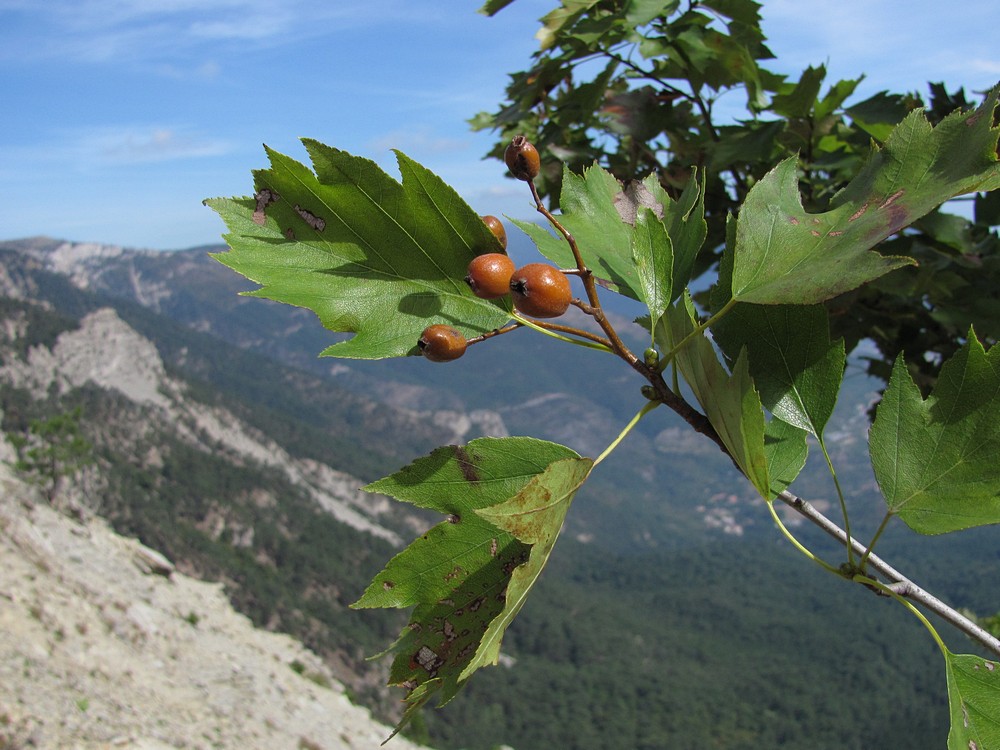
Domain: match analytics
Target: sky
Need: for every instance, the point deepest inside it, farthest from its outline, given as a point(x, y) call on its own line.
point(118, 117)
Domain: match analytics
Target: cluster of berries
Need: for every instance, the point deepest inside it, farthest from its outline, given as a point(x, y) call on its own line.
point(537, 290)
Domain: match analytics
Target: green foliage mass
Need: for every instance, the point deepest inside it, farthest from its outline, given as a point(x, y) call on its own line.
point(636, 87)
point(777, 255)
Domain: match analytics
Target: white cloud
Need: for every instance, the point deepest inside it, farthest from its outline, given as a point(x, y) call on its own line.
point(148, 144)
point(90, 149)
point(418, 140)
point(96, 31)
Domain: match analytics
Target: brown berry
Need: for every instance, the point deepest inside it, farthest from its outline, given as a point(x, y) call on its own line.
point(489, 275)
point(540, 290)
point(496, 226)
point(522, 159)
point(441, 343)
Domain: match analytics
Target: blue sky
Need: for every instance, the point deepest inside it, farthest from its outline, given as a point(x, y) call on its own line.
point(117, 117)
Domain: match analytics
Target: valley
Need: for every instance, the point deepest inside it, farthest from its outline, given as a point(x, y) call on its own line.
point(672, 614)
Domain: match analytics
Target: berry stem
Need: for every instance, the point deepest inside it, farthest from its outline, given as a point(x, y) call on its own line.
point(589, 284)
point(495, 332)
point(555, 330)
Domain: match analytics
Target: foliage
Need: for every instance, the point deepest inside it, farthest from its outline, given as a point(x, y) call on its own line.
point(648, 89)
point(51, 450)
point(763, 358)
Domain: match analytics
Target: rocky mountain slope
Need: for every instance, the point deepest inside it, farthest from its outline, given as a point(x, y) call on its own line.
point(106, 645)
point(105, 352)
point(223, 442)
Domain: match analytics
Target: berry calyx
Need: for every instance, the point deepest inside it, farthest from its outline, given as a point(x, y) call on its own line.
point(441, 343)
point(496, 226)
point(540, 290)
point(489, 275)
point(522, 159)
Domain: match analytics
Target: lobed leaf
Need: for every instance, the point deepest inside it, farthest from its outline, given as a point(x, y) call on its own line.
point(468, 576)
point(534, 516)
point(937, 461)
point(784, 255)
point(369, 255)
point(974, 702)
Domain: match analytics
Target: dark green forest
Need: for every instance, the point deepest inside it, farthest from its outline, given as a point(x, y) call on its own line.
point(710, 641)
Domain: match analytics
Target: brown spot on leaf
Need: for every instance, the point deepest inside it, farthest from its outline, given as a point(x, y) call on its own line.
point(468, 469)
point(794, 222)
point(892, 198)
point(990, 666)
point(635, 196)
point(289, 234)
point(314, 221)
point(454, 573)
point(388, 585)
point(814, 233)
point(835, 234)
point(493, 547)
point(453, 518)
point(264, 198)
point(427, 659)
point(859, 213)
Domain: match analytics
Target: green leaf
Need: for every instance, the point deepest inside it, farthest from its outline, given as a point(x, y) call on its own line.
point(534, 516)
point(492, 7)
point(799, 100)
point(653, 255)
point(730, 401)
point(974, 702)
point(554, 21)
point(785, 450)
point(459, 574)
point(686, 225)
point(456, 481)
point(744, 11)
point(784, 255)
point(641, 12)
point(938, 461)
point(795, 366)
point(367, 254)
point(879, 114)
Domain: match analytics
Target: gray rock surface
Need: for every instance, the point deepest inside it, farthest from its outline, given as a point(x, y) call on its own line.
point(104, 645)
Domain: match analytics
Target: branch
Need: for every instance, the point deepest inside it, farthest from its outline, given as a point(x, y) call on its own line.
point(898, 583)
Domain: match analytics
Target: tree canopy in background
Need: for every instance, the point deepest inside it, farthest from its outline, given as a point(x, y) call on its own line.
point(649, 88)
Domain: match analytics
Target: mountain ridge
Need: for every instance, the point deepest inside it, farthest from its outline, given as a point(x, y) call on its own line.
point(107, 645)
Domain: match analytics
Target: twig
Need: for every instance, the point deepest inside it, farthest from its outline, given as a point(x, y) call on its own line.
point(898, 583)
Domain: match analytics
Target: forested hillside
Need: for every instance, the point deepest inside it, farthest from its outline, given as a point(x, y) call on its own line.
point(244, 470)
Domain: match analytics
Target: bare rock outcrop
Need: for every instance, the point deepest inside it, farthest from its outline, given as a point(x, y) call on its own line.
point(106, 646)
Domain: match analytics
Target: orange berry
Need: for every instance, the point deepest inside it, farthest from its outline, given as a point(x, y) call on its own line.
point(441, 343)
point(540, 290)
point(489, 275)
